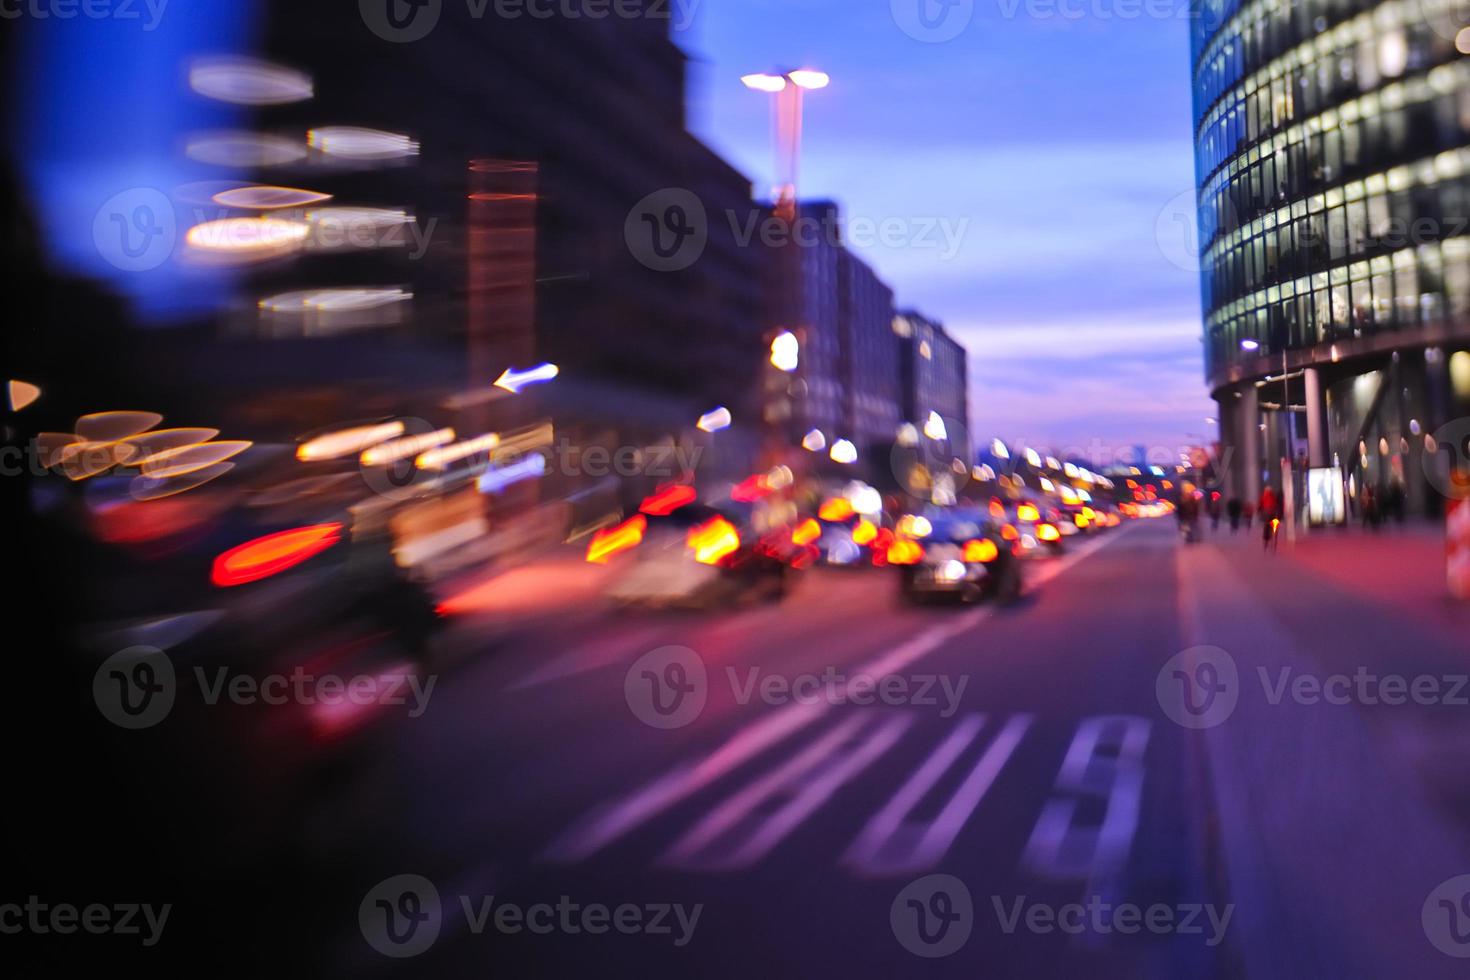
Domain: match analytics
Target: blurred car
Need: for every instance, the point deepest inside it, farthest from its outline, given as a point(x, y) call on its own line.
point(697, 556)
point(960, 554)
point(1030, 524)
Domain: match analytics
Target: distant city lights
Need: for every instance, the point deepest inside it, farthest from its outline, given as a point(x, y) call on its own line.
point(715, 420)
point(786, 352)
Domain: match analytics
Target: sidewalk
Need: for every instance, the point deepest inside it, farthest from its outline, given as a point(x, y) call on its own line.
point(1400, 570)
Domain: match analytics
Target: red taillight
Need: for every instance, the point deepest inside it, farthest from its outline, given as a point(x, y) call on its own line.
point(982, 550)
point(272, 554)
point(668, 500)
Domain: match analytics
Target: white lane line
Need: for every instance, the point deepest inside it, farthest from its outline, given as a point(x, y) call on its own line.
point(606, 824)
point(805, 784)
point(893, 845)
point(612, 821)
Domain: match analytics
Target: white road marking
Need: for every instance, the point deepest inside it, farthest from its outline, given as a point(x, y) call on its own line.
point(612, 821)
point(892, 845)
point(1105, 760)
point(806, 782)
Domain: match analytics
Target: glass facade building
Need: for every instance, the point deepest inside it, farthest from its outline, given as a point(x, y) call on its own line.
point(1332, 145)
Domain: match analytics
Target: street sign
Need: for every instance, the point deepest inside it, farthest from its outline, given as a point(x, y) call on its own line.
point(1457, 548)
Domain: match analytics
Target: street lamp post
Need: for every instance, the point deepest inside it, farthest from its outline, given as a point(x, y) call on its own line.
point(789, 88)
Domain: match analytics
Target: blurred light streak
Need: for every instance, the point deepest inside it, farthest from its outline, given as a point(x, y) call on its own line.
point(153, 443)
point(669, 499)
point(243, 150)
point(715, 420)
point(513, 381)
point(843, 451)
point(713, 541)
point(497, 478)
point(399, 449)
point(179, 462)
point(614, 540)
point(334, 300)
point(111, 426)
point(903, 552)
point(272, 554)
point(865, 533)
point(347, 442)
point(438, 459)
point(814, 441)
point(357, 143)
point(982, 550)
point(146, 488)
point(22, 394)
point(808, 79)
point(246, 81)
point(265, 197)
point(935, 429)
point(247, 239)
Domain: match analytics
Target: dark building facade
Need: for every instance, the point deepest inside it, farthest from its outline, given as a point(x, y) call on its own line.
point(848, 382)
point(1333, 161)
point(935, 375)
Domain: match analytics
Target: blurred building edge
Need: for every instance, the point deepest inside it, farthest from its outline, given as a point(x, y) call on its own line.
point(538, 137)
point(1332, 154)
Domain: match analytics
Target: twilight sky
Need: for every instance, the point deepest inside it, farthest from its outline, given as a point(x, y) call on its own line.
point(1052, 138)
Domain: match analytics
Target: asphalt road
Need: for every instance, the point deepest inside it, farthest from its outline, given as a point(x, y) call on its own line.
point(1103, 779)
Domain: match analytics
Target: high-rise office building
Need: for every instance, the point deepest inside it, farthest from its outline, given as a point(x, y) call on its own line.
point(1332, 146)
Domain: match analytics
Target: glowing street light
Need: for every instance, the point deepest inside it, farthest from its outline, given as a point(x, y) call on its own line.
point(786, 352)
point(1250, 345)
point(789, 87)
point(843, 451)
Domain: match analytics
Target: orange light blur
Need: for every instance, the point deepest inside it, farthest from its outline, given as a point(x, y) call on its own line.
point(1081, 521)
point(904, 552)
point(713, 540)
point(997, 509)
point(272, 554)
point(1048, 532)
point(615, 540)
point(666, 501)
point(1009, 533)
point(807, 532)
point(981, 550)
point(1028, 513)
point(835, 509)
point(865, 533)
